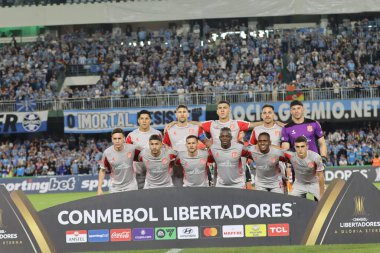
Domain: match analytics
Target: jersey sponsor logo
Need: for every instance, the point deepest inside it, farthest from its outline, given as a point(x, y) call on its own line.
point(210, 232)
point(121, 235)
point(166, 233)
point(164, 160)
point(142, 234)
point(76, 236)
point(309, 128)
point(98, 235)
point(233, 231)
point(278, 229)
point(255, 230)
point(188, 232)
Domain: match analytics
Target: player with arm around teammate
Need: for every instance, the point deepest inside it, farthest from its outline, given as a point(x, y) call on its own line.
point(267, 158)
point(158, 161)
point(308, 168)
point(194, 164)
point(140, 137)
point(118, 158)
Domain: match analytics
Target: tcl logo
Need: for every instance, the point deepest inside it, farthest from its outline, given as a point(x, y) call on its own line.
point(120, 235)
point(278, 229)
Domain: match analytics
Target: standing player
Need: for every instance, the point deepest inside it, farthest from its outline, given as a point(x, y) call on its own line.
point(308, 169)
point(140, 137)
point(227, 157)
point(175, 136)
point(267, 158)
point(274, 130)
point(301, 126)
point(269, 126)
point(213, 127)
point(118, 159)
point(194, 164)
point(158, 162)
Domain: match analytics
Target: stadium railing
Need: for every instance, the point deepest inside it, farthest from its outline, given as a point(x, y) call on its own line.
point(190, 99)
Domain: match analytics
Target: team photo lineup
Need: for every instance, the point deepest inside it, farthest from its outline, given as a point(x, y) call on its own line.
point(189, 126)
point(285, 158)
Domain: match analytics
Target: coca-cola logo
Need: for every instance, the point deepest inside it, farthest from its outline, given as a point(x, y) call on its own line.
point(121, 235)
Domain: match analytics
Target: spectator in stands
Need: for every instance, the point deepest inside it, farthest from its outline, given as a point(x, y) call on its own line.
point(376, 161)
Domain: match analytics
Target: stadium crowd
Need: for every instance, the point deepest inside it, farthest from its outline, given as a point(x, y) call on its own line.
point(76, 154)
point(172, 61)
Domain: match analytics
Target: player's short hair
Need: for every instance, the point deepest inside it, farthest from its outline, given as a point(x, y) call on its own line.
point(143, 112)
point(264, 133)
point(296, 102)
point(267, 106)
point(117, 131)
point(300, 139)
point(226, 129)
point(192, 136)
point(224, 102)
point(181, 106)
point(155, 137)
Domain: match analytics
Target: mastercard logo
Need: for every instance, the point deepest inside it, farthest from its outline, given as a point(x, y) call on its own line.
point(210, 232)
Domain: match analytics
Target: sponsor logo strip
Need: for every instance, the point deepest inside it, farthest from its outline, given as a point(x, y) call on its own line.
point(76, 236)
point(142, 234)
point(98, 235)
point(278, 229)
point(233, 231)
point(165, 233)
point(210, 232)
point(121, 235)
point(188, 232)
point(255, 230)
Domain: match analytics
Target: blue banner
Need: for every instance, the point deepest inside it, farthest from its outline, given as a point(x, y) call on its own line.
point(98, 121)
point(23, 122)
point(332, 110)
point(54, 184)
